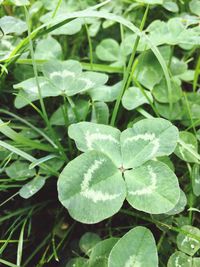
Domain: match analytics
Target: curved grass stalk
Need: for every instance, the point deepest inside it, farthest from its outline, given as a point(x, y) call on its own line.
point(17, 137)
point(37, 130)
point(129, 71)
point(97, 14)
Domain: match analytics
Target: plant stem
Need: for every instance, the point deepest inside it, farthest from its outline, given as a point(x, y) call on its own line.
point(61, 150)
point(66, 119)
point(129, 71)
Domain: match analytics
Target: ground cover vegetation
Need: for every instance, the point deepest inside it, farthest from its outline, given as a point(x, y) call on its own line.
point(99, 133)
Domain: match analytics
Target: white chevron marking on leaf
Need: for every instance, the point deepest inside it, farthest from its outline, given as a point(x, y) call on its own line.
point(34, 89)
point(189, 239)
point(90, 138)
point(151, 188)
point(64, 73)
point(132, 260)
point(89, 83)
point(146, 137)
point(89, 193)
point(177, 262)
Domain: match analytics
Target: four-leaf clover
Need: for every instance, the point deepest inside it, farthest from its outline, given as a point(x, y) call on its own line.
point(116, 165)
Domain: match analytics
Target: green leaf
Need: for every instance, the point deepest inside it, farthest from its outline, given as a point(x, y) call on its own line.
point(195, 7)
point(77, 262)
point(94, 26)
point(19, 170)
point(57, 163)
point(108, 50)
point(17, 2)
point(160, 92)
point(70, 28)
point(129, 40)
point(170, 6)
point(69, 78)
point(180, 206)
point(195, 262)
point(100, 113)
point(90, 136)
point(133, 98)
point(177, 66)
point(179, 259)
point(152, 188)
point(105, 93)
point(23, 72)
point(47, 49)
point(167, 161)
point(172, 32)
point(192, 110)
point(186, 243)
point(88, 241)
point(134, 249)
point(81, 109)
point(147, 139)
point(174, 114)
point(151, 2)
point(12, 25)
point(32, 187)
point(100, 253)
point(190, 141)
point(154, 181)
point(61, 77)
point(35, 8)
point(187, 76)
point(29, 91)
point(91, 187)
point(148, 70)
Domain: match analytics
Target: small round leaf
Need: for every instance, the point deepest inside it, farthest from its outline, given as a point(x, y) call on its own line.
point(32, 187)
point(99, 254)
point(134, 249)
point(190, 142)
point(134, 98)
point(180, 206)
point(91, 187)
point(152, 188)
point(186, 243)
point(147, 139)
point(162, 95)
point(108, 50)
point(179, 259)
point(91, 136)
point(88, 241)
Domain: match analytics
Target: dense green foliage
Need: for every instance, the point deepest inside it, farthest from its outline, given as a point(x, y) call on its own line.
point(99, 133)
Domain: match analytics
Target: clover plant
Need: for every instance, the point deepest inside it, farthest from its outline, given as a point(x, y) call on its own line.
point(119, 165)
point(187, 246)
point(99, 133)
point(59, 78)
